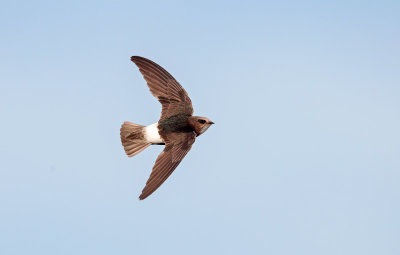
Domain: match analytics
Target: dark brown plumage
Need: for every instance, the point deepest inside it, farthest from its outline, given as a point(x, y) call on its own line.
point(177, 128)
point(165, 88)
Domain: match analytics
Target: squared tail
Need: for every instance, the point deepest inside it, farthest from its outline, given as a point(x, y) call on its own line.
point(132, 138)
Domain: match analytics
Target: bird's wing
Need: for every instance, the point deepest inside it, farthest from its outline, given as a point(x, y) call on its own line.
point(165, 88)
point(177, 145)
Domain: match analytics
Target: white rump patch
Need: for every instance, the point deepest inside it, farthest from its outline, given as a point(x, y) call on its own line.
point(151, 134)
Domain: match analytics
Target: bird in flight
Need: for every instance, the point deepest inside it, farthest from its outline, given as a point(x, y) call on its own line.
point(177, 128)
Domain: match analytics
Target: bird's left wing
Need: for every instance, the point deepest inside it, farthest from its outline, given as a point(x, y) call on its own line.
point(173, 98)
point(177, 145)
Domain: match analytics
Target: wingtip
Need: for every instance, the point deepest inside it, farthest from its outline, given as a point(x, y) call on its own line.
point(137, 58)
point(133, 58)
point(143, 195)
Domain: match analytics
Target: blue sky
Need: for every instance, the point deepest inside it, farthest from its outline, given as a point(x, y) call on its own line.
point(303, 159)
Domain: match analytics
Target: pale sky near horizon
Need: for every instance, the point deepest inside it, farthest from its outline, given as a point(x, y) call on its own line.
point(303, 158)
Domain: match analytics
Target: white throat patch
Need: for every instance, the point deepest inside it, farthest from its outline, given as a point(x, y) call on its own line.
point(205, 128)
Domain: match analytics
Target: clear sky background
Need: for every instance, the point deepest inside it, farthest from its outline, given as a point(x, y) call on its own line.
point(304, 157)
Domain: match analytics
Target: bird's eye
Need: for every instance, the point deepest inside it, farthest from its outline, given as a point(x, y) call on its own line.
point(201, 121)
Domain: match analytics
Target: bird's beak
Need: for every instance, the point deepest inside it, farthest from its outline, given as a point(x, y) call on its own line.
point(210, 122)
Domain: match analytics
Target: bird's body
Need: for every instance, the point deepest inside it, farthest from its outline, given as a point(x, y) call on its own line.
point(177, 128)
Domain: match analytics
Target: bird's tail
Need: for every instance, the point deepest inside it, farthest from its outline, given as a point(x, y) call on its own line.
point(132, 138)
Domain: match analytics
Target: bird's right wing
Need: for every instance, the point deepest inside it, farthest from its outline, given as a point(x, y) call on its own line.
point(173, 98)
point(177, 145)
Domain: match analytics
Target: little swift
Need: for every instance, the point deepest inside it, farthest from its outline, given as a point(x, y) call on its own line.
point(177, 128)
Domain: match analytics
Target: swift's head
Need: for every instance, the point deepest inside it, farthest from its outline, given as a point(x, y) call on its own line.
point(199, 124)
